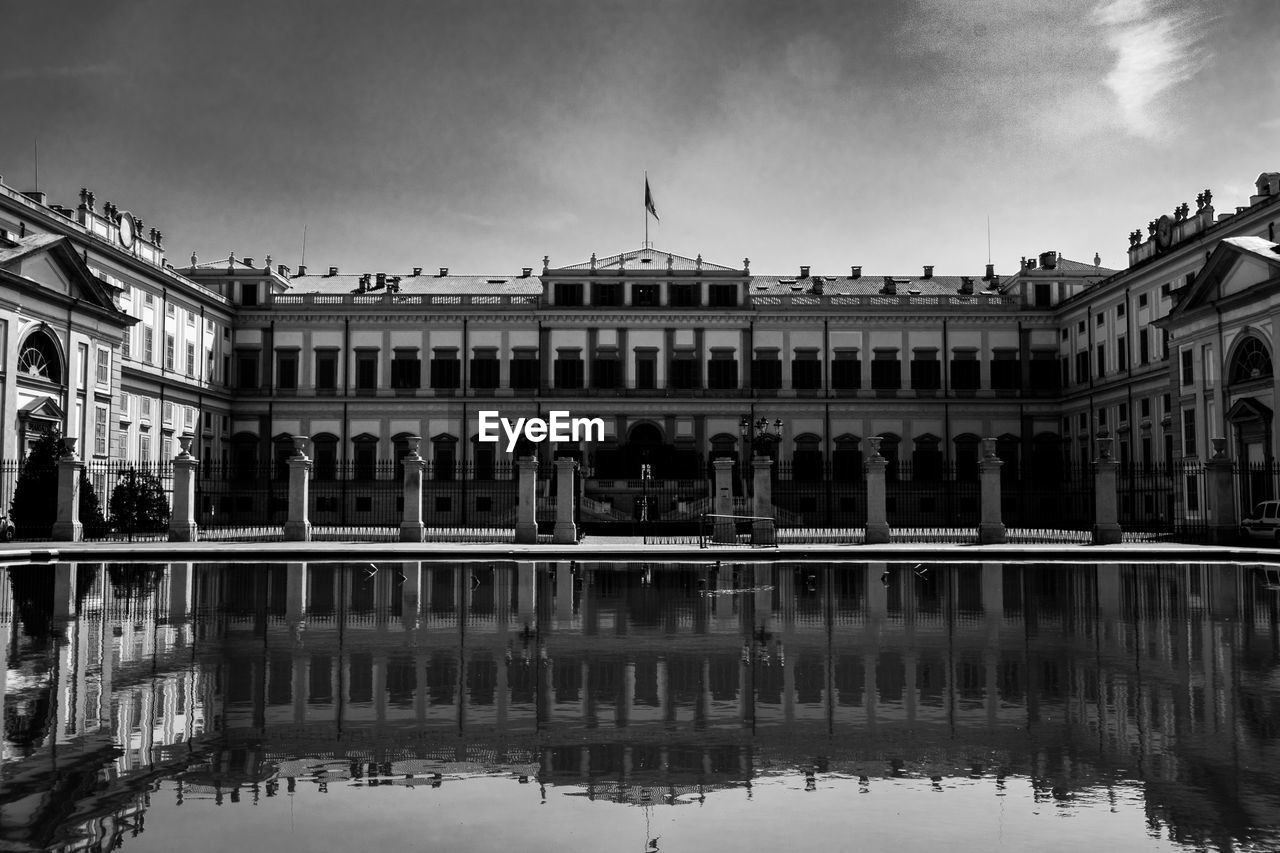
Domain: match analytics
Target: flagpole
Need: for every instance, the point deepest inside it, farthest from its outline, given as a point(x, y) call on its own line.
point(646, 209)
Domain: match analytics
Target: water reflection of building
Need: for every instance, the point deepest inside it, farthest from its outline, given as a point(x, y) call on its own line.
point(646, 686)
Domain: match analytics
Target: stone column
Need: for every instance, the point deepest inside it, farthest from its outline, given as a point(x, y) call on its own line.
point(722, 500)
point(1223, 523)
point(411, 527)
point(762, 532)
point(1106, 526)
point(298, 527)
point(566, 531)
point(877, 519)
point(990, 527)
point(527, 497)
point(182, 515)
point(66, 525)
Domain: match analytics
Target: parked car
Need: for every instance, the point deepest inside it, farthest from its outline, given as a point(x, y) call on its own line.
point(1263, 522)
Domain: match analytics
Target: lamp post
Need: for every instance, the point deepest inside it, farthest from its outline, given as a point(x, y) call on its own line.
point(756, 435)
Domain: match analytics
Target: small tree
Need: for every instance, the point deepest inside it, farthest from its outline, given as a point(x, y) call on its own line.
point(138, 504)
point(35, 497)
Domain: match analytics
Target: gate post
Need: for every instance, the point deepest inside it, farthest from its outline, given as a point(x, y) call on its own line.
point(527, 500)
point(1106, 526)
point(1223, 523)
point(723, 501)
point(182, 518)
point(762, 532)
point(411, 527)
point(877, 531)
point(298, 528)
point(991, 528)
point(66, 526)
point(566, 532)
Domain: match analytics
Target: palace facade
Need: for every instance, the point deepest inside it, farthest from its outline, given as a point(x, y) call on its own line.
point(105, 338)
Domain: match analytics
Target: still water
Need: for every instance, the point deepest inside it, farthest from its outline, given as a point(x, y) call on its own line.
point(584, 706)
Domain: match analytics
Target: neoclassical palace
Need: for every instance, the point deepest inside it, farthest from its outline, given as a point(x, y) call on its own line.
point(106, 339)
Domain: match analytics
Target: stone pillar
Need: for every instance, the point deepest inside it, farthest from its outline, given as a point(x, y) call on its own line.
point(990, 527)
point(762, 532)
point(1106, 526)
point(722, 500)
point(182, 515)
point(566, 531)
point(298, 527)
point(1223, 523)
point(411, 527)
point(877, 519)
point(527, 497)
point(66, 525)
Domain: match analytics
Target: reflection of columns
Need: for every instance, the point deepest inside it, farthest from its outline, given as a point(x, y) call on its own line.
point(723, 586)
point(628, 700)
point(64, 590)
point(584, 681)
point(301, 684)
point(526, 572)
point(66, 646)
point(993, 590)
point(502, 691)
point(909, 683)
point(547, 686)
point(380, 687)
point(1108, 591)
point(877, 592)
point(411, 593)
point(420, 686)
point(702, 711)
point(763, 604)
point(588, 607)
point(180, 575)
point(564, 594)
point(660, 686)
point(296, 592)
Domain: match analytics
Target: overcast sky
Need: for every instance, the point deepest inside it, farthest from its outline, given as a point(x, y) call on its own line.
point(484, 135)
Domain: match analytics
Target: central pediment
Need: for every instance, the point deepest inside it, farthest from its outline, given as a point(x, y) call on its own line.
point(646, 260)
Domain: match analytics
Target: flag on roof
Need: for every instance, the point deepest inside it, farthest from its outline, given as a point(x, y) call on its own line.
point(648, 199)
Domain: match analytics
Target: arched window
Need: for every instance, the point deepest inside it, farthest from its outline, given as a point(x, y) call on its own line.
point(324, 454)
point(364, 453)
point(846, 461)
point(1251, 361)
point(281, 452)
point(967, 446)
point(926, 459)
point(444, 455)
point(806, 461)
point(244, 456)
point(39, 358)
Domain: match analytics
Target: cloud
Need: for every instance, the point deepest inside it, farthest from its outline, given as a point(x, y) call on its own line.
point(57, 72)
point(1156, 47)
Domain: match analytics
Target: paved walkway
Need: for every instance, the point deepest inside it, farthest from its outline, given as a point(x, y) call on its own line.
point(623, 549)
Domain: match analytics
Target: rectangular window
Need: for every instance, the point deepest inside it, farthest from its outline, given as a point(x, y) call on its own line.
point(249, 294)
point(568, 368)
point(146, 408)
point(685, 295)
point(191, 359)
point(1043, 296)
point(525, 369)
point(326, 371)
point(406, 369)
point(646, 295)
point(100, 430)
point(722, 296)
point(1099, 319)
point(886, 370)
point(646, 368)
point(1044, 371)
point(1188, 368)
point(1144, 348)
point(287, 369)
point(169, 309)
point(126, 344)
point(1082, 367)
point(366, 370)
point(1006, 370)
point(606, 368)
point(148, 345)
point(1144, 407)
point(766, 370)
point(168, 352)
point(1124, 413)
point(685, 374)
point(806, 370)
point(1189, 432)
point(166, 413)
point(1120, 310)
point(191, 319)
point(568, 294)
point(1142, 300)
point(606, 295)
point(1122, 354)
point(846, 370)
point(926, 370)
point(446, 369)
point(247, 369)
point(485, 368)
point(966, 370)
point(722, 370)
point(1102, 360)
point(1080, 328)
point(102, 373)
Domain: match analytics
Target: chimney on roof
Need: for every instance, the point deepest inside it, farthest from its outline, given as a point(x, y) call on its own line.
point(36, 196)
point(444, 271)
point(525, 272)
point(804, 272)
point(393, 284)
point(302, 269)
point(417, 271)
point(282, 270)
point(991, 273)
point(1048, 260)
point(855, 272)
point(928, 271)
point(248, 262)
point(333, 270)
point(364, 283)
point(890, 286)
point(966, 284)
point(819, 286)
point(382, 279)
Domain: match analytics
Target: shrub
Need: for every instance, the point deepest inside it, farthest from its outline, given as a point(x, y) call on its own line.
point(35, 497)
point(138, 503)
